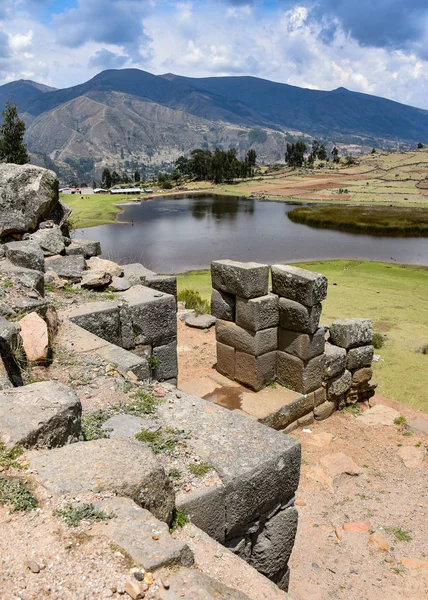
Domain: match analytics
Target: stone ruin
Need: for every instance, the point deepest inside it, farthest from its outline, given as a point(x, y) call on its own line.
point(266, 336)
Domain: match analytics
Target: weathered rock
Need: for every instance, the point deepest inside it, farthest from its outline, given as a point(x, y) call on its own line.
point(201, 321)
point(379, 415)
point(163, 283)
point(257, 313)
point(255, 343)
point(166, 361)
point(300, 285)
point(67, 267)
point(9, 350)
point(255, 372)
point(302, 345)
point(340, 467)
point(206, 509)
point(35, 338)
point(194, 584)
point(51, 241)
point(360, 357)
point(351, 333)
point(137, 273)
point(124, 467)
point(108, 266)
point(127, 362)
point(226, 360)
point(356, 527)
point(52, 279)
point(40, 414)
point(6, 310)
point(29, 194)
point(25, 254)
point(223, 305)
point(298, 375)
point(297, 317)
point(86, 248)
point(411, 456)
point(418, 424)
point(306, 420)
point(95, 279)
point(247, 280)
point(5, 381)
point(339, 385)
point(320, 396)
point(100, 318)
point(119, 284)
point(124, 427)
point(379, 541)
point(324, 410)
point(361, 376)
point(414, 563)
point(335, 361)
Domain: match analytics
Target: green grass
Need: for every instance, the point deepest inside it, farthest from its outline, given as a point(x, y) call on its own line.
point(92, 425)
point(400, 534)
point(74, 515)
point(15, 494)
point(94, 209)
point(200, 469)
point(179, 519)
point(374, 220)
point(8, 457)
point(194, 301)
point(394, 297)
point(162, 440)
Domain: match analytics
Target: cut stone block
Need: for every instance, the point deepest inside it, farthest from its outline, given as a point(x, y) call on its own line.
point(339, 385)
point(26, 254)
point(247, 280)
point(290, 413)
point(306, 420)
point(300, 285)
point(350, 333)
point(255, 372)
point(335, 361)
point(95, 279)
point(257, 313)
point(35, 338)
point(40, 414)
point(167, 367)
point(324, 410)
point(108, 266)
point(226, 360)
point(297, 317)
point(163, 283)
point(51, 241)
point(361, 376)
point(206, 508)
point(119, 284)
point(274, 544)
point(302, 345)
point(143, 537)
point(298, 375)
point(100, 318)
point(137, 273)
point(86, 248)
point(320, 396)
point(67, 267)
point(123, 467)
point(255, 343)
point(126, 361)
point(196, 585)
point(357, 358)
point(223, 305)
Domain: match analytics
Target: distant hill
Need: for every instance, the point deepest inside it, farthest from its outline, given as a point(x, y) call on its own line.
point(126, 118)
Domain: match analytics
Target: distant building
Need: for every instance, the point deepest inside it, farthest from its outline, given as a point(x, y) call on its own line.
point(100, 191)
point(126, 191)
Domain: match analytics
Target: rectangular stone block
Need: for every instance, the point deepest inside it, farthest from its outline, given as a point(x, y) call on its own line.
point(247, 280)
point(350, 333)
point(298, 375)
point(126, 361)
point(360, 357)
point(339, 385)
point(223, 305)
point(362, 376)
point(335, 360)
point(324, 410)
point(163, 283)
point(320, 396)
point(206, 508)
point(287, 417)
point(255, 343)
point(166, 361)
point(255, 372)
point(226, 360)
point(298, 284)
point(297, 317)
point(257, 313)
point(302, 345)
point(100, 318)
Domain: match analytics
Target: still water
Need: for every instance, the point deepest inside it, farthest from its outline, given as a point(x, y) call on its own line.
point(173, 235)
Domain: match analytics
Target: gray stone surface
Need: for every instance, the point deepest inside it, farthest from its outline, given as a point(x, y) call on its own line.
point(361, 376)
point(163, 283)
point(258, 466)
point(137, 273)
point(247, 280)
point(40, 414)
point(5, 310)
point(350, 333)
point(201, 321)
point(95, 279)
point(223, 305)
point(22, 277)
point(124, 427)
point(335, 360)
point(126, 361)
point(192, 584)
point(51, 240)
point(86, 248)
point(290, 413)
point(226, 360)
point(297, 317)
point(25, 254)
point(5, 380)
point(274, 544)
point(124, 467)
point(255, 372)
point(67, 267)
point(255, 343)
point(297, 375)
point(29, 194)
point(339, 385)
point(324, 410)
point(100, 318)
point(206, 508)
point(302, 345)
point(9, 344)
point(320, 396)
point(360, 357)
point(167, 367)
point(306, 420)
point(119, 284)
point(257, 313)
point(300, 285)
point(133, 529)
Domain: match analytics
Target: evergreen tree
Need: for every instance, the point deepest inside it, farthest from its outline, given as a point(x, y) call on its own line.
point(137, 177)
point(106, 179)
point(322, 152)
point(12, 148)
point(250, 160)
point(115, 178)
point(295, 154)
point(335, 154)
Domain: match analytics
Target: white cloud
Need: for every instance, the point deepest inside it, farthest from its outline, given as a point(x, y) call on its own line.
point(20, 41)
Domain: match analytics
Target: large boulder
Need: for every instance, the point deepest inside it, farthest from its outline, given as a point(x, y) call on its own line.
point(28, 195)
point(26, 254)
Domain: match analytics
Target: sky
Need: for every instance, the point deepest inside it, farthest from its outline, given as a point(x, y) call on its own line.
point(377, 47)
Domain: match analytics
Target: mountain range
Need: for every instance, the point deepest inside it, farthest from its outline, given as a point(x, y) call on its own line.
point(127, 118)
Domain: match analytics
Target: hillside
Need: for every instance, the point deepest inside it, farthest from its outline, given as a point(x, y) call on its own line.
point(127, 117)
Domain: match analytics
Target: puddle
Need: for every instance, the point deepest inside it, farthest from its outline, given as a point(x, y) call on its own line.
point(228, 397)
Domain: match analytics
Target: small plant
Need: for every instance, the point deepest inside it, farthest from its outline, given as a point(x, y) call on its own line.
point(174, 474)
point(92, 425)
point(15, 493)
point(423, 349)
point(400, 534)
point(154, 362)
point(194, 301)
point(179, 519)
point(352, 409)
point(400, 421)
point(74, 515)
point(159, 441)
point(378, 340)
point(200, 469)
point(144, 404)
point(7, 283)
point(8, 457)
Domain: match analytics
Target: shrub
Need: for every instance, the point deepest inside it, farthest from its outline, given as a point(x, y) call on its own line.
point(423, 349)
point(378, 340)
point(179, 519)
point(85, 512)
point(14, 493)
point(194, 301)
point(200, 469)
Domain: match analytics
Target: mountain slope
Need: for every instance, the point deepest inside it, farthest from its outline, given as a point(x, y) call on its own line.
point(22, 92)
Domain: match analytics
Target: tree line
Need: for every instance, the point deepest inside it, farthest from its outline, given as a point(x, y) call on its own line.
point(296, 154)
point(218, 166)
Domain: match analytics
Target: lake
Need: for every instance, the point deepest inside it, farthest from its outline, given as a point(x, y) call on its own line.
point(173, 235)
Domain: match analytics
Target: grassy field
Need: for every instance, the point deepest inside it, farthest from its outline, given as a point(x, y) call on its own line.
point(394, 297)
point(94, 209)
point(376, 220)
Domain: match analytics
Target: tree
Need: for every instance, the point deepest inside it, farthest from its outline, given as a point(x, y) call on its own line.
point(335, 153)
point(295, 154)
point(373, 151)
point(137, 177)
point(182, 166)
point(322, 153)
point(420, 145)
point(250, 160)
point(115, 178)
point(12, 148)
point(106, 179)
